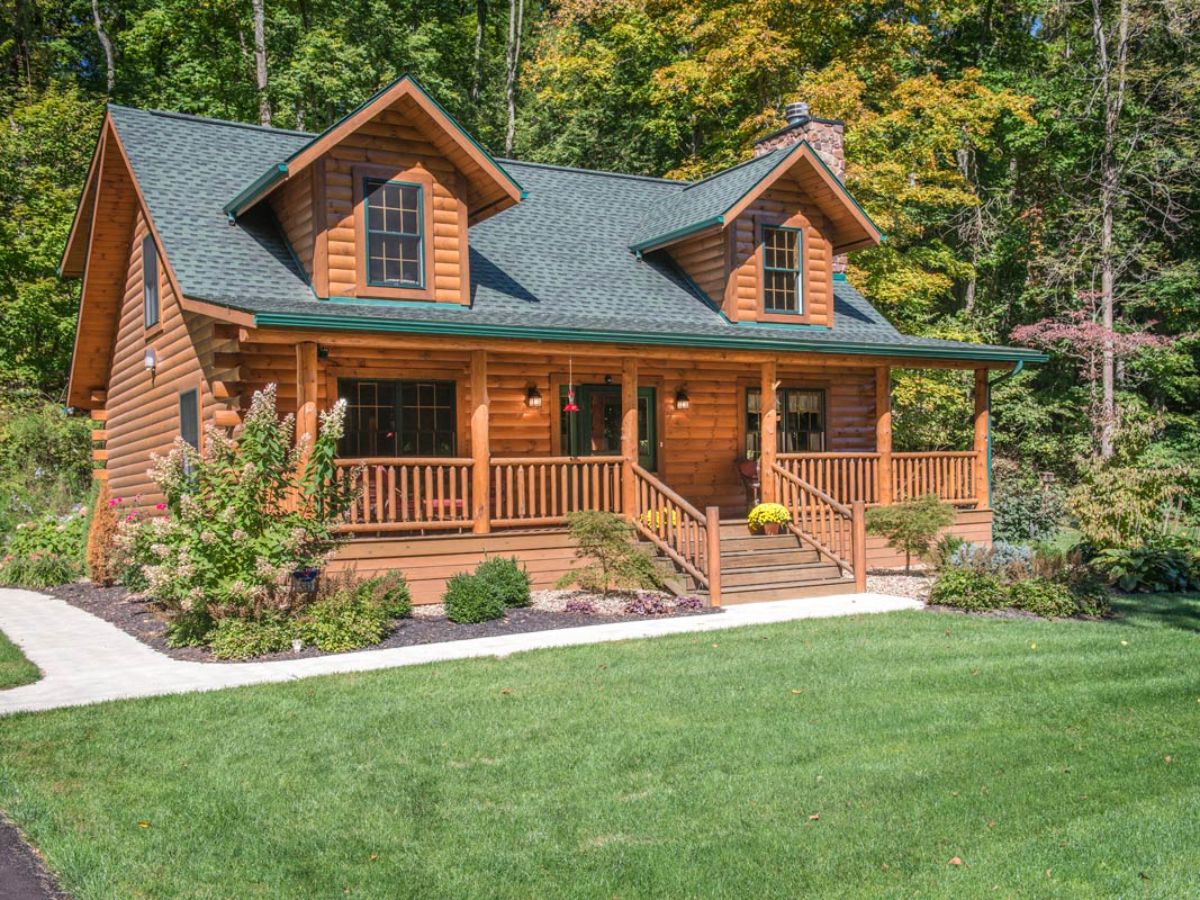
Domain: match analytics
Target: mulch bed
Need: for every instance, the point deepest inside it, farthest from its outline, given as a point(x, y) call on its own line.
point(149, 624)
point(23, 875)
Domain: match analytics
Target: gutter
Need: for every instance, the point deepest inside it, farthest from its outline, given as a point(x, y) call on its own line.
point(266, 180)
point(792, 345)
point(1000, 379)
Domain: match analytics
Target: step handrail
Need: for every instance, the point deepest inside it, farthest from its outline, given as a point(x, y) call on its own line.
point(843, 532)
point(686, 536)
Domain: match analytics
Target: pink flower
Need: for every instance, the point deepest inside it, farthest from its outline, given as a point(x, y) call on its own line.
point(131, 518)
point(160, 506)
point(112, 503)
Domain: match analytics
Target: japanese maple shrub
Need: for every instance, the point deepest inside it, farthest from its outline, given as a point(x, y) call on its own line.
point(614, 561)
point(912, 526)
point(240, 517)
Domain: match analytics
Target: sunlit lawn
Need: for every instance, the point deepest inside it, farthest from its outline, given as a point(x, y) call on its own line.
point(820, 758)
point(15, 669)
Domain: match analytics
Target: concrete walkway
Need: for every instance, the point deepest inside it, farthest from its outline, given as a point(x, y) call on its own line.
point(85, 659)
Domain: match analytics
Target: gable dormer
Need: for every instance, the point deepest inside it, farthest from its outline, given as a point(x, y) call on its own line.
point(764, 239)
point(378, 206)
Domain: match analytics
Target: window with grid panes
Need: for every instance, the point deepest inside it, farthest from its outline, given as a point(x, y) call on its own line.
point(395, 243)
point(783, 279)
point(399, 418)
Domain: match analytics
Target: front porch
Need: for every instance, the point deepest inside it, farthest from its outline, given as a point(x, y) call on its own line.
point(676, 443)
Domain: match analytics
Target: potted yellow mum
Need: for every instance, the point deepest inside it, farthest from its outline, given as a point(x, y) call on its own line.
point(768, 518)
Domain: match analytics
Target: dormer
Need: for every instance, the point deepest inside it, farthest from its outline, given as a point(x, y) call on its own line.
point(764, 239)
point(377, 207)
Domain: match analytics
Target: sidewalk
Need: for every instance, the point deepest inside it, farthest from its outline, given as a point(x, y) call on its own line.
point(87, 660)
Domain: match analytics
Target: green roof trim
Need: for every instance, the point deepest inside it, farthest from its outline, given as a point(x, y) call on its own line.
point(246, 198)
point(594, 336)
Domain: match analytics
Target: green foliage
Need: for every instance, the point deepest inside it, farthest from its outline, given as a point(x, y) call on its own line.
point(768, 513)
point(1150, 568)
point(1126, 506)
point(1043, 597)
point(231, 532)
point(1025, 505)
point(45, 456)
point(615, 561)
point(45, 552)
point(246, 638)
point(343, 621)
point(969, 590)
point(470, 599)
point(389, 592)
point(912, 526)
point(506, 578)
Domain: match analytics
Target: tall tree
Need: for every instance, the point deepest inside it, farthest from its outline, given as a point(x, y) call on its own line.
point(512, 60)
point(260, 63)
point(110, 65)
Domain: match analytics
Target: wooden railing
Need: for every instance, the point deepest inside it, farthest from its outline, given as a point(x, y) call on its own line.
point(836, 530)
point(544, 490)
point(688, 537)
point(847, 477)
point(948, 474)
point(844, 476)
point(398, 494)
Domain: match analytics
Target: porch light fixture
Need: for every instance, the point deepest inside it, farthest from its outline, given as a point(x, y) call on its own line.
point(533, 397)
point(150, 363)
point(681, 399)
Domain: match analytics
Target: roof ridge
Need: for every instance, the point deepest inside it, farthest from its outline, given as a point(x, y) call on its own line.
point(211, 120)
point(560, 168)
point(733, 168)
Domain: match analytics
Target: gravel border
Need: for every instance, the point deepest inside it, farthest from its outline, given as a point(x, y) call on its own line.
point(428, 624)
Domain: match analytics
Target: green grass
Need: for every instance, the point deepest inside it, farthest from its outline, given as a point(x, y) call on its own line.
point(1054, 759)
point(15, 669)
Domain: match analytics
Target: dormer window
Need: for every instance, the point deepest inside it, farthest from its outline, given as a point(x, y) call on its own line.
point(783, 273)
point(395, 240)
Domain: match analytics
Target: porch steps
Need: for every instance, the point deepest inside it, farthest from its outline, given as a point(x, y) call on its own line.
point(758, 567)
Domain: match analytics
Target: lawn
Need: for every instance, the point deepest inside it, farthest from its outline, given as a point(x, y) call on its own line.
point(832, 757)
point(15, 669)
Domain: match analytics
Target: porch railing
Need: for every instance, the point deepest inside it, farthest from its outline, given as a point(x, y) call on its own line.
point(413, 494)
point(836, 530)
point(847, 477)
point(948, 474)
point(687, 536)
point(544, 490)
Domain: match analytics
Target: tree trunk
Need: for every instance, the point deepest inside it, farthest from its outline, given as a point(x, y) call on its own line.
point(481, 11)
point(1112, 77)
point(972, 233)
point(102, 36)
point(260, 63)
point(516, 16)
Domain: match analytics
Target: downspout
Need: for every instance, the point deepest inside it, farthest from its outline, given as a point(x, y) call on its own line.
point(1011, 373)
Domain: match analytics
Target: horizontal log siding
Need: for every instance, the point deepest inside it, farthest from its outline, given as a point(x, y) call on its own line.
point(391, 141)
point(293, 207)
point(143, 418)
point(705, 259)
point(974, 525)
point(784, 203)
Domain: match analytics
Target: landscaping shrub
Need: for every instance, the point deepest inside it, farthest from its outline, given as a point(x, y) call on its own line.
point(1121, 506)
point(344, 621)
point(470, 599)
point(689, 603)
point(1000, 558)
point(946, 550)
point(1026, 505)
point(133, 549)
point(45, 552)
point(968, 589)
point(389, 592)
point(581, 606)
point(506, 579)
point(246, 638)
point(102, 533)
point(912, 526)
point(649, 605)
point(615, 560)
point(240, 517)
point(1152, 567)
point(1043, 597)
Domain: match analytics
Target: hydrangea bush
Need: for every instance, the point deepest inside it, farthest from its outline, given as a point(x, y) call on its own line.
point(239, 518)
point(45, 552)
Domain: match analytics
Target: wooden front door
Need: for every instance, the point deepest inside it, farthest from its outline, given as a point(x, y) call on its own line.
point(596, 429)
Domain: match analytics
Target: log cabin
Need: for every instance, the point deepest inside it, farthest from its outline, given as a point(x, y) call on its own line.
point(514, 341)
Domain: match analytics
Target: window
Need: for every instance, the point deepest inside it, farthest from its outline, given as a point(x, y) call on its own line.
point(395, 248)
point(801, 421)
point(149, 282)
point(783, 281)
point(189, 417)
point(399, 418)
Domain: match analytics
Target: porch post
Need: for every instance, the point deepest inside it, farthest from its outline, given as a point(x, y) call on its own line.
point(883, 432)
point(982, 429)
point(629, 434)
point(767, 431)
point(306, 391)
point(481, 453)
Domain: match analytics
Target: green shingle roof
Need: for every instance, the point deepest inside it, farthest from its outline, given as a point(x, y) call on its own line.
point(556, 265)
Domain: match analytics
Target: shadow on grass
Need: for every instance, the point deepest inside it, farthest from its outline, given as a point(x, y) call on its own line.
point(1180, 611)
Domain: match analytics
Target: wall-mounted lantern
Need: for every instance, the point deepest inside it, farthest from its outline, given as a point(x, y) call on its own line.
point(533, 397)
point(681, 399)
point(150, 363)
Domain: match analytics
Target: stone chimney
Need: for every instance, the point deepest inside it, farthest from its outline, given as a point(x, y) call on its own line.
point(823, 135)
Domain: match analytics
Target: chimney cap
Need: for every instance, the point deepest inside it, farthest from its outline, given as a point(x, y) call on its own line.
point(796, 113)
